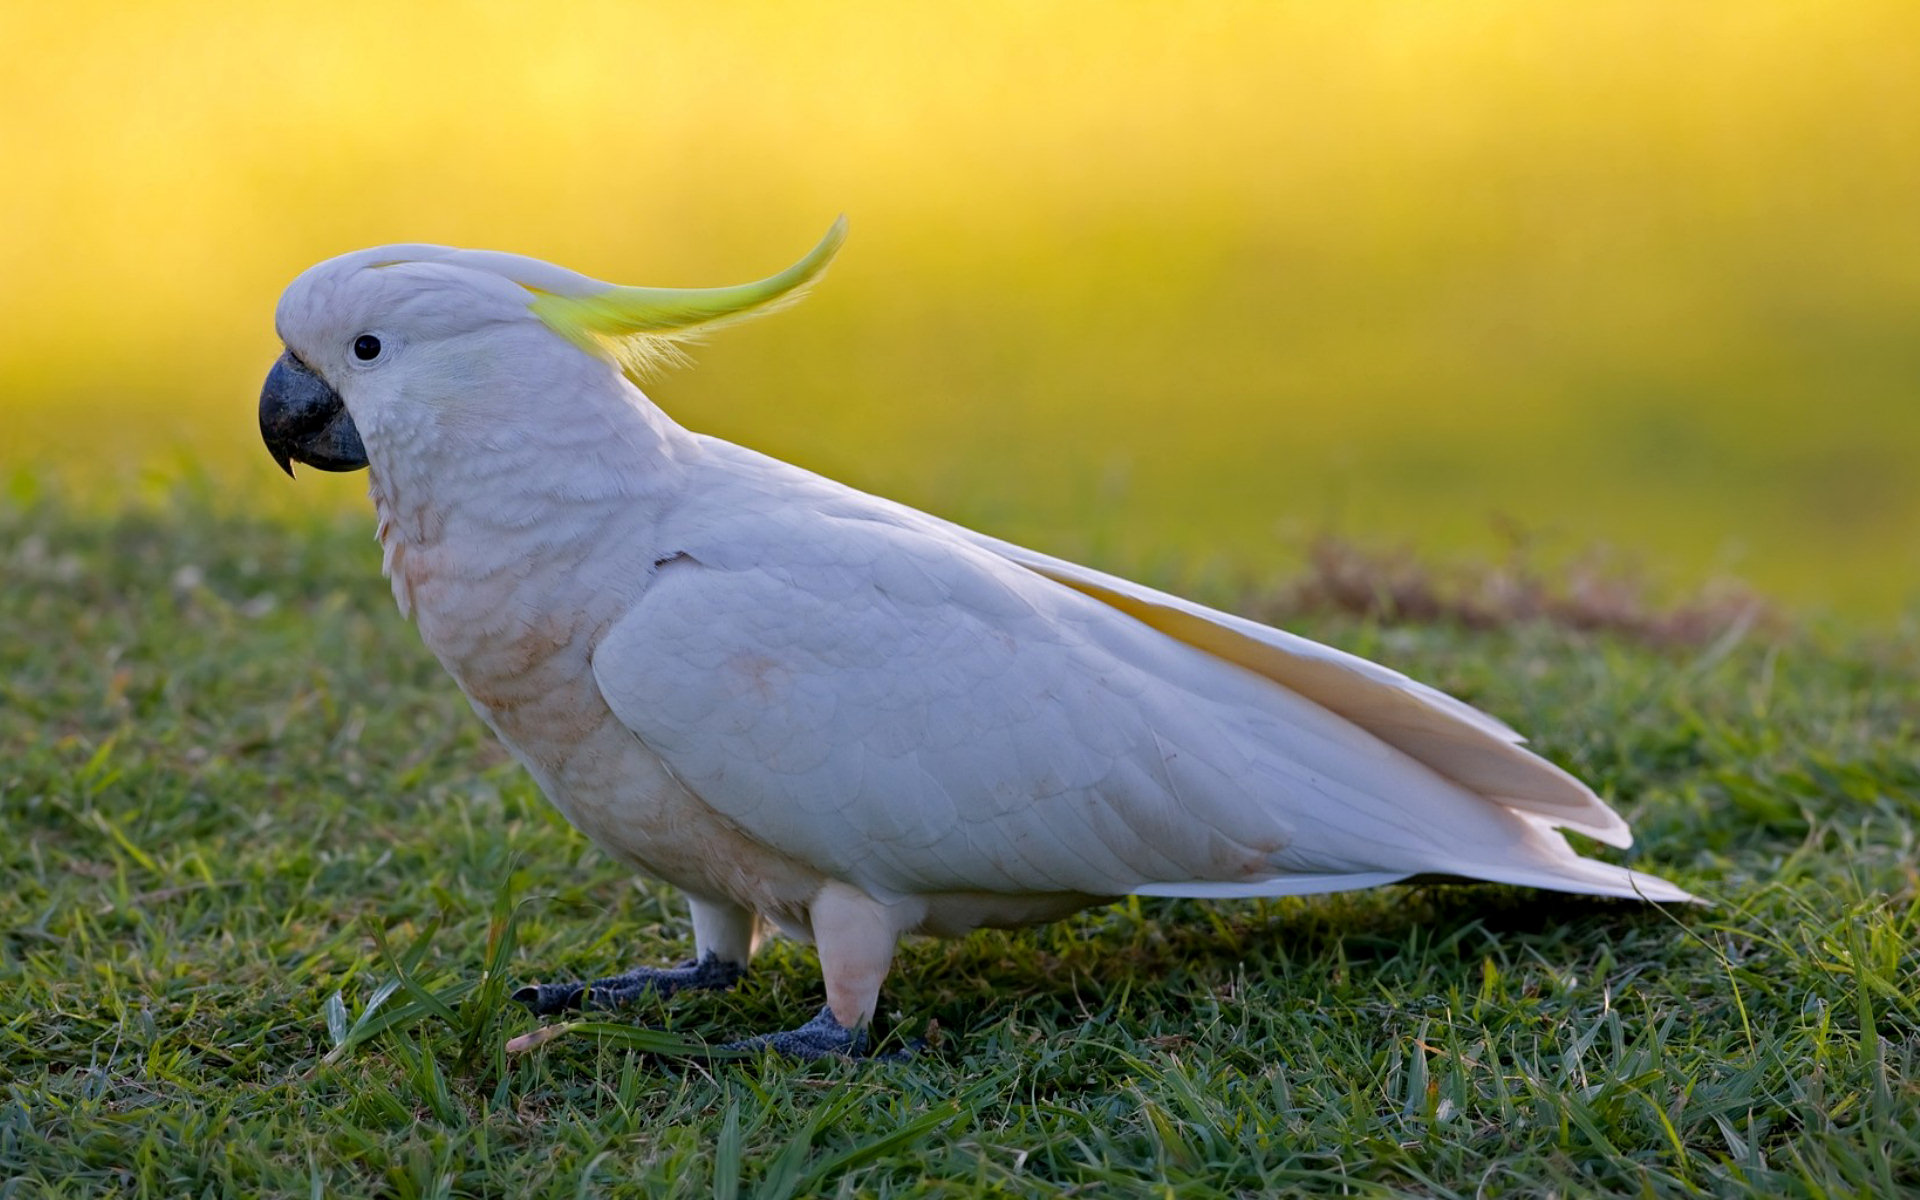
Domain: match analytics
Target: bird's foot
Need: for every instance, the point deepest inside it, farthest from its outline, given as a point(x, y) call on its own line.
point(709, 973)
point(816, 1039)
point(821, 1037)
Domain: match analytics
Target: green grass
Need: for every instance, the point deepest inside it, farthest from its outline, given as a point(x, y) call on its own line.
point(234, 787)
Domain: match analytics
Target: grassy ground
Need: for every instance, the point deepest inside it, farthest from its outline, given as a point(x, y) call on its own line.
point(237, 799)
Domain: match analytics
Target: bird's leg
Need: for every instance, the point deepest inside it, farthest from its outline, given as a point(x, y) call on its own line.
point(724, 939)
point(855, 935)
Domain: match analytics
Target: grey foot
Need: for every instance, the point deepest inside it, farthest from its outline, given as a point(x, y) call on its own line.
point(816, 1039)
point(616, 991)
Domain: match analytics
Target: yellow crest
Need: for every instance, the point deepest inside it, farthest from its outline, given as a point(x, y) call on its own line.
point(643, 329)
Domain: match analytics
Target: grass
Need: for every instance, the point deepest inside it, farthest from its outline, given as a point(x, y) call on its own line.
point(239, 803)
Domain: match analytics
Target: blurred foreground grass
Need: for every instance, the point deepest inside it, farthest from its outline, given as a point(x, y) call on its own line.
point(228, 772)
point(1131, 281)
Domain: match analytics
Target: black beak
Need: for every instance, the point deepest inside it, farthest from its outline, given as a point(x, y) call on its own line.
point(303, 420)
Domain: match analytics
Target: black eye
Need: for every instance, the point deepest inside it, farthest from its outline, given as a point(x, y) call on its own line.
point(366, 347)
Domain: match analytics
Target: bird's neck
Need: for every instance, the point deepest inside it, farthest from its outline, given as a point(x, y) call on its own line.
point(466, 506)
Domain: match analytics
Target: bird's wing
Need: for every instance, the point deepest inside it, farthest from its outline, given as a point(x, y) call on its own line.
point(1455, 739)
point(912, 714)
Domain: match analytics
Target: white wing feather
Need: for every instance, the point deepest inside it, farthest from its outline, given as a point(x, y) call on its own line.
point(1455, 739)
point(1459, 741)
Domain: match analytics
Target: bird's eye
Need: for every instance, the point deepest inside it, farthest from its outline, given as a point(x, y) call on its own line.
point(366, 347)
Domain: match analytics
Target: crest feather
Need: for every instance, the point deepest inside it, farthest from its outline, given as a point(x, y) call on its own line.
point(643, 329)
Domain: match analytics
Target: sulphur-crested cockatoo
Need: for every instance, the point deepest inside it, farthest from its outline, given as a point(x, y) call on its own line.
point(807, 706)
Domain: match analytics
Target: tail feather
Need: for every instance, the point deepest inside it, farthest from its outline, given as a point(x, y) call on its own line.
point(1587, 877)
point(1580, 876)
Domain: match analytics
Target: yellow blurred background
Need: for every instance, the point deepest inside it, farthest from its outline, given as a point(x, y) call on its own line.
point(1142, 282)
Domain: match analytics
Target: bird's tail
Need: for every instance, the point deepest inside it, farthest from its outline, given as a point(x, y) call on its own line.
point(1596, 879)
point(1551, 863)
point(1588, 877)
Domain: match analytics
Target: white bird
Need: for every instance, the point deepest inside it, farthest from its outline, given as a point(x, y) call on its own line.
point(807, 706)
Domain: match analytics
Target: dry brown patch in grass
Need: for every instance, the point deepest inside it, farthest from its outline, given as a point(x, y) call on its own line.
point(1596, 593)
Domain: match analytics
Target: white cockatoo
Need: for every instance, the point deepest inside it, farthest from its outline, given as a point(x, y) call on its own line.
point(809, 707)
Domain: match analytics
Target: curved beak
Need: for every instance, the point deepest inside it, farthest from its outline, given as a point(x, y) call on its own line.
point(303, 420)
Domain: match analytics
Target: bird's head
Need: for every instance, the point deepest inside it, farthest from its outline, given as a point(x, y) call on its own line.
point(401, 336)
